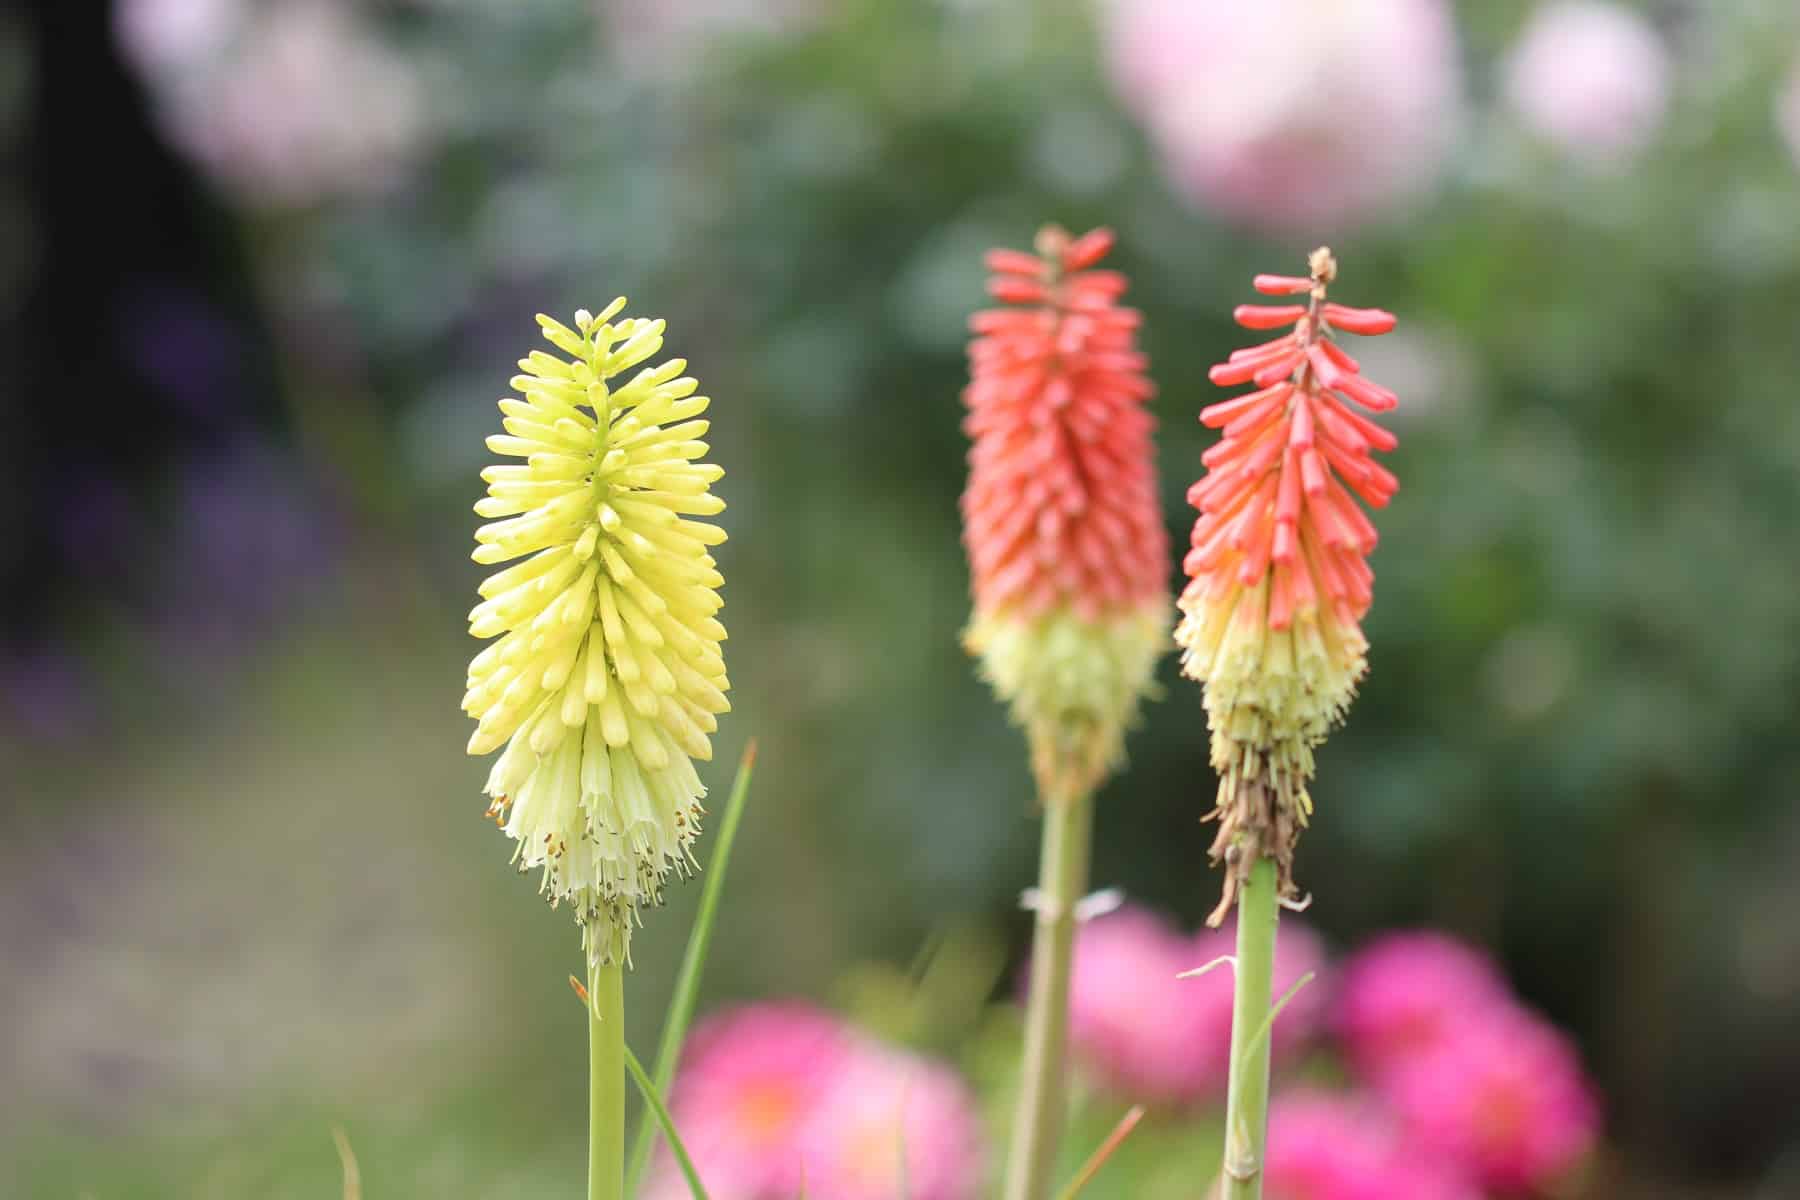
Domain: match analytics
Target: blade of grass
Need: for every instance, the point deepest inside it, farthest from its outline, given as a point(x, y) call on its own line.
point(1095, 1161)
point(693, 960)
point(660, 1111)
point(347, 1156)
point(1268, 1022)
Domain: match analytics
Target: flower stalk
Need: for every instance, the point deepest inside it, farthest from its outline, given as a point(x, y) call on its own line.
point(1062, 880)
point(606, 1082)
point(1271, 625)
point(1069, 572)
point(1247, 1095)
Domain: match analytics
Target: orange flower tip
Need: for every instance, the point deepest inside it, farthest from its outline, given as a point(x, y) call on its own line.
point(1258, 316)
point(1371, 396)
point(1087, 249)
point(1371, 322)
point(1264, 350)
point(1226, 411)
point(1281, 285)
point(1336, 354)
point(1278, 370)
point(1015, 262)
point(1014, 290)
point(1228, 374)
point(1312, 473)
point(1300, 433)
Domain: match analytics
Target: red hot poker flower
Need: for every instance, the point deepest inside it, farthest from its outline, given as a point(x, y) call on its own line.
point(1279, 577)
point(1066, 545)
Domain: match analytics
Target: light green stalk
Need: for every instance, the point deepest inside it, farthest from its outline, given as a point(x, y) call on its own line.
point(1247, 1098)
point(606, 1082)
point(1062, 880)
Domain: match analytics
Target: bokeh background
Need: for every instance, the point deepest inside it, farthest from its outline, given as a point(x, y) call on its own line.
point(264, 268)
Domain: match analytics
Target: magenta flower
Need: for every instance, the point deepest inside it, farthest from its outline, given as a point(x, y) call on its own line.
point(1505, 1096)
point(749, 1081)
point(776, 1098)
point(1402, 995)
point(881, 1104)
point(1146, 1034)
point(1326, 1146)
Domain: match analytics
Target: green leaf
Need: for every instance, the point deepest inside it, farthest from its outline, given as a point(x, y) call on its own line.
point(653, 1101)
point(693, 960)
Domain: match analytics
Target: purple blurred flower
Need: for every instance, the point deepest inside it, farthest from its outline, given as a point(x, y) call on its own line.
point(1331, 1146)
point(775, 1097)
point(293, 103)
point(1505, 1096)
point(1405, 993)
point(879, 1101)
point(187, 350)
point(1146, 1034)
point(97, 523)
point(45, 694)
point(1290, 115)
point(1592, 78)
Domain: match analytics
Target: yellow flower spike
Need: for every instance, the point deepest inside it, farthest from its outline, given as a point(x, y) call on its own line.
point(606, 676)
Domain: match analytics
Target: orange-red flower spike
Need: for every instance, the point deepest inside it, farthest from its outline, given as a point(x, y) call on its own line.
point(1278, 576)
point(1067, 550)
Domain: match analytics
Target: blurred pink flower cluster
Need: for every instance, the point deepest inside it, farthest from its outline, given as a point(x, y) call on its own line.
point(284, 103)
point(779, 1100)
point(1472, 1074)
point(1291, 115)
point(1591, 78)
point(1464, 1088)
point(1337, 1146)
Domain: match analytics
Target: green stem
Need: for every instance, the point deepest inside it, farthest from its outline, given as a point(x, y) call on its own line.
point(1062, 880)
point(1247, 1097)
point(606, 1082)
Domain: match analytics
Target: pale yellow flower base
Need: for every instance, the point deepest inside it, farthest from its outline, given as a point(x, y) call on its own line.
point(1271, 697)
point(1072, 684)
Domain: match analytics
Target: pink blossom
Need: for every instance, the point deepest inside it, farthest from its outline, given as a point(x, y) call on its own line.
point(1504, 1096)
point(175, 35)
point(750, 1080)
point(288, 104)
point(1592, 78)
point(1403, 994)
point(1787, 113)
point(1328, 1146)
point(774, 1098)
point(1146, 1034)
point(879, 1102)
point(1291, 115)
